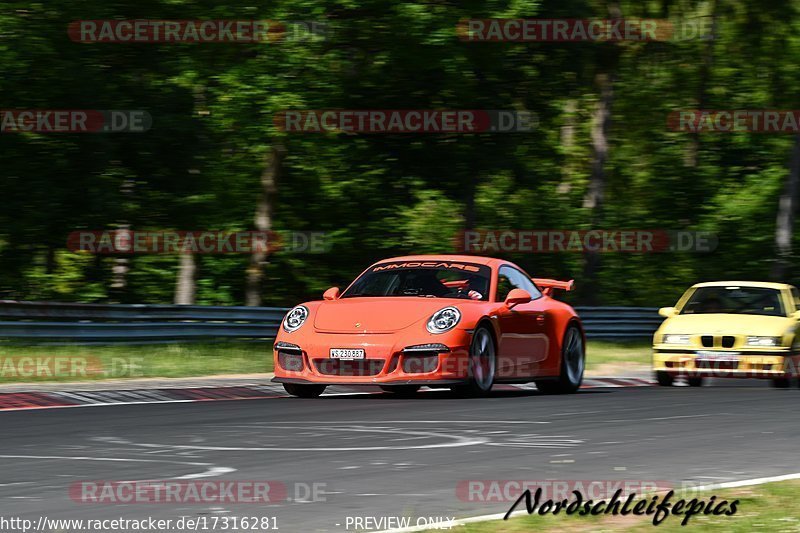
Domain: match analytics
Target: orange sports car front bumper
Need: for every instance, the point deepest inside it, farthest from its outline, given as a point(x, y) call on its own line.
point(388, 359)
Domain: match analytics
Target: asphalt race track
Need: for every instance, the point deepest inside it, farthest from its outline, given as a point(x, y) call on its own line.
point(378, 455)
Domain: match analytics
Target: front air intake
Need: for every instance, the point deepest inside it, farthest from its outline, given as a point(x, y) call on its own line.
point(338, 367)
point(420, 364)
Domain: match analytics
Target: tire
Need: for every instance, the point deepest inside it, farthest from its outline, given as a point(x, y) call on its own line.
point(664, 379)
point(781, 383)
point(482, 365)
point(304, 391)
point(573, 363)
point(404, 391)
point(695, 381)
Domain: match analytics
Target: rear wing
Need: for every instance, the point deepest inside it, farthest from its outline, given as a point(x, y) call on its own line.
point(548, 285)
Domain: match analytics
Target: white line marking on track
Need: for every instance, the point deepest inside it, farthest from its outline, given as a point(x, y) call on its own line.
point(347, 423)
point(211, 472)
point(214, 471)
point(457, 441)
point(747, 482)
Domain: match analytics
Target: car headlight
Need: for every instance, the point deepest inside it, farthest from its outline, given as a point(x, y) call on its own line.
point(444, 320)
point(676, 339)
point(295, 318)
point(764, 341)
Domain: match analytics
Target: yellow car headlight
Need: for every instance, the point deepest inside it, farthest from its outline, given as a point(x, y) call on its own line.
point(671, 338)
point(764, 341)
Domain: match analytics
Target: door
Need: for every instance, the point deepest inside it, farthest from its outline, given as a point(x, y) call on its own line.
point(523, 342)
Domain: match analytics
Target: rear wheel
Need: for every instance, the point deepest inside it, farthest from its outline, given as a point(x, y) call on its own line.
point(304, 391)
point(695, 381)
point(573, 361)
point(781, 383)
point(664, 379)
point(481, 365)
point(406, 391)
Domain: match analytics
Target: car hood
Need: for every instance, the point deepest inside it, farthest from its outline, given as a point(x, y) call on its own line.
point(375, 315)
point(713, 323)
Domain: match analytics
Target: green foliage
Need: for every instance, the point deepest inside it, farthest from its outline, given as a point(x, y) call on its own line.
point(380, 195)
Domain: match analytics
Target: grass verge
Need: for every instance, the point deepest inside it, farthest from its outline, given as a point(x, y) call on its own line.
point(78, 363)
point(615, 358)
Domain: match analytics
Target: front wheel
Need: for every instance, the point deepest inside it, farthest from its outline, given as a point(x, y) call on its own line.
point(664, 379)
point(481, 365)
point(781, 383)
point(696, 381)
point(573, 362)
point(304, 391)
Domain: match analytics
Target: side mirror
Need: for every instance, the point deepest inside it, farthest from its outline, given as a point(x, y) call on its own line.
point(331, 294)
point(516, 297)
point(667, 312)
point(796, 315)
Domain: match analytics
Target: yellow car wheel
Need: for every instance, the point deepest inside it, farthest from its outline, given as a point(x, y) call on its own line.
point(664, 379)
point(695, 381)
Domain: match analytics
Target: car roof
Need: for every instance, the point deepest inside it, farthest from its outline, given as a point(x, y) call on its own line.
point(476, 259)
point(760, 284)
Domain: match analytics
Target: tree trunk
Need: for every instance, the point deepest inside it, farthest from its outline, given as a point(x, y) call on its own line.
point(784, 223)
point(119, 279)
point(121, 267)
point(702, 89)
point(595, 196)
point(568, 145)
point(263, 222)
point(469, 203)
point(186, 287)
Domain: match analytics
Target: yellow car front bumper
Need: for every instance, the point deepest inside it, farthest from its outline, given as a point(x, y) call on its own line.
point(689, 361)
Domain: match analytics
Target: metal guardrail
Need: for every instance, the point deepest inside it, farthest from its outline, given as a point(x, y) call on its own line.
point(620, 322)
point(45, 322)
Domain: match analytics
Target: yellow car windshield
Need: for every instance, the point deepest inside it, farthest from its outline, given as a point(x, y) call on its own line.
point(735, 300)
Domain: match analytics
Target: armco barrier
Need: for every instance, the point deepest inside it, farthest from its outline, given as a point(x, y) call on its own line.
point(620, 322)
point(46, 322)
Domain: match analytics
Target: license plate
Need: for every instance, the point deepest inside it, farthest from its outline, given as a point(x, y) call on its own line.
point(347, 353)
point(718, 356)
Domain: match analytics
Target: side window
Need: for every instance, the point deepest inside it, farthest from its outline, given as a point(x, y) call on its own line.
point(504, 285)
point(523, 282)
point(796, 297)
point(510, 278)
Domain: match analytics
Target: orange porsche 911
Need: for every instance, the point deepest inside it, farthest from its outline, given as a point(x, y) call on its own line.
point(463, 322)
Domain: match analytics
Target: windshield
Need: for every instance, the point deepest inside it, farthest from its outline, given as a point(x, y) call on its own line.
point(430, 279)
point(735, 300)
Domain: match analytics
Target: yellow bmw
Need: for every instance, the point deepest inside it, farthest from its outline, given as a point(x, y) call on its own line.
point(737, 329)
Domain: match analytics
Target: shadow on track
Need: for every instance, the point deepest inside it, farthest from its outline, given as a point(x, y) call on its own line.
point(443, 394)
